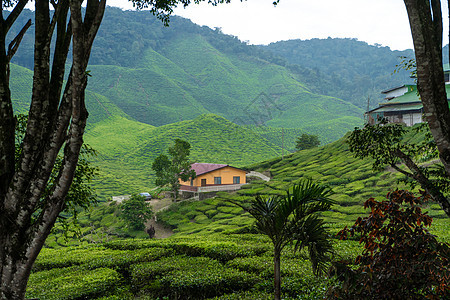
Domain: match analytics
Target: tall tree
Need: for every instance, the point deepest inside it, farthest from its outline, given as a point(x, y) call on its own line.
point(56, 124)
point(294, 217)
point(170, 170)
point(425, 18)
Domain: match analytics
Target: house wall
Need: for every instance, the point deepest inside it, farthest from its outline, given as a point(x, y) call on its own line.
point(412, 118)
point(409, 119)
point(226, 174)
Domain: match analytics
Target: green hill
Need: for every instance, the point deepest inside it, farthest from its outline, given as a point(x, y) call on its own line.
point(160, 75)
point(352, 180)
point(127, 148)
point(189, 77)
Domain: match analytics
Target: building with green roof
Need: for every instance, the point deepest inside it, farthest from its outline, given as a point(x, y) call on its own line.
point(402, 104)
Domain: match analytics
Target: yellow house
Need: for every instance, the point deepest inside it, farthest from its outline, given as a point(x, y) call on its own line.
point(215, 175)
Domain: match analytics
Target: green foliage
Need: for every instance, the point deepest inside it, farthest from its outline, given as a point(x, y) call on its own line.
point(307, 141)
point(99, 257)
point(198, 277)
point(293, 219)
point(169, 171)
point(380, 142)
point(234, 266)
point(388, 144)
point(160, 75)
point(72, 283)
point(401, 259)
point(135, 211)
point(127, 149)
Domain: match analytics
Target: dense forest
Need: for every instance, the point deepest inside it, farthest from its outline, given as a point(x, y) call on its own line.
point(353, 70)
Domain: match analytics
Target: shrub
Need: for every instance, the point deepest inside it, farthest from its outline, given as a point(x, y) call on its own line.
point(247, 295)
point(400, 260)
point(135, 212)
point(142, 274)
point(206, 281)
point(95, 257)
point(72, 283)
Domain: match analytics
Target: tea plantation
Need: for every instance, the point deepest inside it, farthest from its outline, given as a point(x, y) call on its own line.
point(214, 253)
point(234, 266)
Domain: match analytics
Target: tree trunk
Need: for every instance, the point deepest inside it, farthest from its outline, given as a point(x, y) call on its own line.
point(28, 206)
point(425, 18)
point(277, 274)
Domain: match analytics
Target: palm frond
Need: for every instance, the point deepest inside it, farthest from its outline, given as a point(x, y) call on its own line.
point(311, 233)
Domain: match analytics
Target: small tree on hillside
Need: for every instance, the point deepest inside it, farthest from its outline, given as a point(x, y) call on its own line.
point(169, 169)
point(135, 212)
point(307, 141)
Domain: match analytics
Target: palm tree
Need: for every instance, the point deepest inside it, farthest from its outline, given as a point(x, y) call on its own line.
point(294, 218)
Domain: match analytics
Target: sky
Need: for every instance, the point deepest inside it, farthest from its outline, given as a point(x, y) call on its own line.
point(382, 22)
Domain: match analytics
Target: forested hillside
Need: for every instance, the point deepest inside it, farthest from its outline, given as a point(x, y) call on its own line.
point(352, 69)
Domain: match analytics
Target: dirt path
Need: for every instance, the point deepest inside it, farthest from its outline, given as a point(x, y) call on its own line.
point(161, 232)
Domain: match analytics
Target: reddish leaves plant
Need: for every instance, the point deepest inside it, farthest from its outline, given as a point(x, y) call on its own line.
point(400, 260)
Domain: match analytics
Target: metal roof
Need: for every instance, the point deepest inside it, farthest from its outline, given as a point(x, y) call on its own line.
point(202, 168)
point(410, 97)
point(401, 107)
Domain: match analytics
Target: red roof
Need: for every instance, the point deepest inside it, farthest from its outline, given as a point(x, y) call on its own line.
point(201, 168)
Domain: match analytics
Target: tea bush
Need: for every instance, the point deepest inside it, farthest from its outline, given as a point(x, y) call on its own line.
point(96, 257)
point(72, 283)
point(204, 282)
point(142, 274)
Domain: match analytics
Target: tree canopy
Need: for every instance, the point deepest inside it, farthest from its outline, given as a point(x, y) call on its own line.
point(135, 211)
point(293, 218)
point(307, 141)
point(169, 169)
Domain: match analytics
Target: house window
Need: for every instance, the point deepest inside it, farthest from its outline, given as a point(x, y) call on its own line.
point(217, 180)
point(236, 179)
point(192, 182)
point(203, 183)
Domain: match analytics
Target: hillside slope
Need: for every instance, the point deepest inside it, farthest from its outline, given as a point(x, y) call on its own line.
point(189, 77)
point(160, 75)
point(126, 149)
point(353, 70)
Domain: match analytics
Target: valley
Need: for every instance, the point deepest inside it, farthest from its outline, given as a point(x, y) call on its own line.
point(236, 104)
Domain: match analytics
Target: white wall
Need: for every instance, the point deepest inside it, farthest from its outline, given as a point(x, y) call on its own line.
point(397, 92)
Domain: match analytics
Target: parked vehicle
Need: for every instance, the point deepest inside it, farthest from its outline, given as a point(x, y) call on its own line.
point(146, 195)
